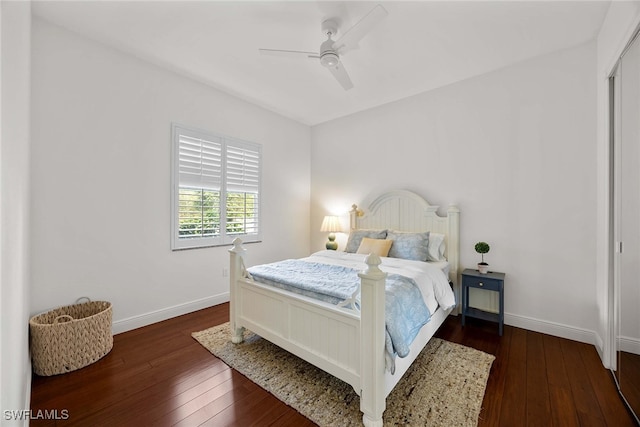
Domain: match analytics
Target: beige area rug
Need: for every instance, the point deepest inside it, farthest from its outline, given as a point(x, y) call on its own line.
point(444, 386)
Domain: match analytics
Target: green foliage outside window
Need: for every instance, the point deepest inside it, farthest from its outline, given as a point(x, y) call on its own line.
point(199, 213)
point(242, 213)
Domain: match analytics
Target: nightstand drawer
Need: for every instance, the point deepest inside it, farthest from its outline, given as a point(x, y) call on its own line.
point(483, 283)
point(492, 281)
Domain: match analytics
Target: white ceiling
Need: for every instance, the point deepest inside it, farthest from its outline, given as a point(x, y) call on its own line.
point(419, 46)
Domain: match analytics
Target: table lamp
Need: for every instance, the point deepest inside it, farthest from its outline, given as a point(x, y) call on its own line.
point(331, 224)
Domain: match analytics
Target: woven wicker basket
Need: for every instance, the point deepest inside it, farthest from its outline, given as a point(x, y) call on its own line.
point(70, 337)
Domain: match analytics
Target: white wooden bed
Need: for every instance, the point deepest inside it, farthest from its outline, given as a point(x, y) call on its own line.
point(347, 344)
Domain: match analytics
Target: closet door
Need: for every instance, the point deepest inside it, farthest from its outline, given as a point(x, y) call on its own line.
point(627, 224)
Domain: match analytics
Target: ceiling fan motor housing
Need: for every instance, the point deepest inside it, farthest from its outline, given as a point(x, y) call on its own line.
point(328, 57)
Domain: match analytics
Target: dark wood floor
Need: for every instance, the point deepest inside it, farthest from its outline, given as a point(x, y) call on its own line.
point(630, 381)
point(158, 375)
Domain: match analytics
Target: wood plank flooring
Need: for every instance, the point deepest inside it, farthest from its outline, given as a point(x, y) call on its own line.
point(160, 376)
point(629, 382)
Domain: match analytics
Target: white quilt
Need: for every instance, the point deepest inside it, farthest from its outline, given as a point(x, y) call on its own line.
point(429, 277)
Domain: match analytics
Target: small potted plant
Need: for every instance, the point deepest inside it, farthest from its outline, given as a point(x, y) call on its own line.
point(482, 248)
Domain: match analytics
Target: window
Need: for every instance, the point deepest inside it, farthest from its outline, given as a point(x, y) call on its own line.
point(215, 189)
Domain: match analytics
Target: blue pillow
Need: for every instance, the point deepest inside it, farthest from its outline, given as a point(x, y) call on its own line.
point(356, 236)
point(413, 246)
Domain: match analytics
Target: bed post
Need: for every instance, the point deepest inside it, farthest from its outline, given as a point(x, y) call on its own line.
point(372, 336)
point(354, 214)
point(236, 271)
point(453, 254)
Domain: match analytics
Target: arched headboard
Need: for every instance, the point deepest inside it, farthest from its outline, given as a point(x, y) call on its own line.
point(404, 210)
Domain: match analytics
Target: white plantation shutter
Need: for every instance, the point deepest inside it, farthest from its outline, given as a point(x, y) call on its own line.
point(200, 160)
point(243, 167)
point(215, 189)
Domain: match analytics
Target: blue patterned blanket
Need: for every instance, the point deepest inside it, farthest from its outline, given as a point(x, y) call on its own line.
point(405, 310)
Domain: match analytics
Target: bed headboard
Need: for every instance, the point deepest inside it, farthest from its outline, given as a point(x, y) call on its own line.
point(403, 210)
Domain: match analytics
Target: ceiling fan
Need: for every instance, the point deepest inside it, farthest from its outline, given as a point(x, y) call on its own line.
point(330, 50)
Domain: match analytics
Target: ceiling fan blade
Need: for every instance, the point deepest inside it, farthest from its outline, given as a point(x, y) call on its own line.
point(341, 75)
point(289, 53)
point(350, 39)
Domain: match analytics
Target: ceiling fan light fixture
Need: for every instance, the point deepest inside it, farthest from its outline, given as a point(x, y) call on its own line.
point(329, 59)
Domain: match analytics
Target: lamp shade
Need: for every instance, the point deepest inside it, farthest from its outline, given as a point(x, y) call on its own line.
point(330, 224)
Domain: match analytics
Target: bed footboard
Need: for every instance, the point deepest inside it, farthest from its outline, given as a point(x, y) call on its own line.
point(349, 346)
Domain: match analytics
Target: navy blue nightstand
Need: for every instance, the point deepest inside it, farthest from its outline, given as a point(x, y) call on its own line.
point(492, 281)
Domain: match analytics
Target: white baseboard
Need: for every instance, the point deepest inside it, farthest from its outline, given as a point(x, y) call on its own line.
point(630, 345)
point(555, 329)
point(146, 319)
point(532, 324)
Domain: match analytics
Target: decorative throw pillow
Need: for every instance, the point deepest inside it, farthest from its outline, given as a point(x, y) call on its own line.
point(413, 246)
point(356, 236)
point(436, 247)
point(379, 247)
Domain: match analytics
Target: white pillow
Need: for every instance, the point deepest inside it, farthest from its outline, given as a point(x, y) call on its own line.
point(437, 247)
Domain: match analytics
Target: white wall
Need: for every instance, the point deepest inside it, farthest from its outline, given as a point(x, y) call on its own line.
point(15, 367)
point(621, 20)
point(516, 151)
point(101, 181)
point(530, 127)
